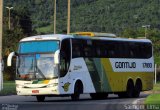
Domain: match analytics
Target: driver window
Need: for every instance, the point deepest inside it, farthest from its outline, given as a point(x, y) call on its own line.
point(65, 57)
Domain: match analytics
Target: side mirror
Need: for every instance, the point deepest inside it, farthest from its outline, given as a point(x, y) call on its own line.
point(9, 59)
point(56, 57)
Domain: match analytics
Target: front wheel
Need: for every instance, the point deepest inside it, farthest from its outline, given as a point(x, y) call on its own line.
point(78, 89)
point(40, 98)
point(75, 96)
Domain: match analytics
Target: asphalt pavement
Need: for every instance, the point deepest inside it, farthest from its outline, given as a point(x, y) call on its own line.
point(15, 102)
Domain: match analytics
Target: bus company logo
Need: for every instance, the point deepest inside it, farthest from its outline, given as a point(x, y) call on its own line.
point(77, 67)
point(66, 86)
point(125, 64)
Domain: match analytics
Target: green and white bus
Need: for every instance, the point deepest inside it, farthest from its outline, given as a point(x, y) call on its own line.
point(70, 65)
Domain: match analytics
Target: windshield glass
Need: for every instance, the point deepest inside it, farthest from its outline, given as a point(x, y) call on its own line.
point(36, 66)
point(26, 66)
point(45, 66)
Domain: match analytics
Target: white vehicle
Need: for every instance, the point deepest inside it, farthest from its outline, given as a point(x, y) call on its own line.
point(69, 65)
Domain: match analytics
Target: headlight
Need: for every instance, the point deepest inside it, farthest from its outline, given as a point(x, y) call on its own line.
point(52, 85)
point(19, 86)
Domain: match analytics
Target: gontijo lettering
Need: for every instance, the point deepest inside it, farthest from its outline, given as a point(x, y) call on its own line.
point(125, 64)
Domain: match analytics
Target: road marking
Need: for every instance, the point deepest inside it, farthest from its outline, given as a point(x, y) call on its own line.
point(137, 101)
point(138, 104)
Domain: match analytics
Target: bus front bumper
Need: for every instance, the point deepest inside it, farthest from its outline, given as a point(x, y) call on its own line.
point(37, 91)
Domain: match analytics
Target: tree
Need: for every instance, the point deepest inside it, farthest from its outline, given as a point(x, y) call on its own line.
point(23, 15)
point(21, 26)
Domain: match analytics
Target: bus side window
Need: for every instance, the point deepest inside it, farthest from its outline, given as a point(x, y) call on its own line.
point(147, 50)
point(77, 50)
point(65, 57)
point(88, 50)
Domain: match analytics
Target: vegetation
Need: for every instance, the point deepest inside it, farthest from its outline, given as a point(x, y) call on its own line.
point(156, 87)
point(153, 99)
point(44, 30)
point(122, 17)
point(92, 15)
point(9, 88)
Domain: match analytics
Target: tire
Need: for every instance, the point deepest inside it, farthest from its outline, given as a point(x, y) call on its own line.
point(137, 89)
point(129, 89)
point(78, 89)
point(40, 98)
point(99, 96)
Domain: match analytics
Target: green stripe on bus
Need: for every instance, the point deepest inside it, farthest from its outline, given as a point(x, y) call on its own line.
point(93, 73)
point(34, 82)
point(105, 86)
point(98, 74)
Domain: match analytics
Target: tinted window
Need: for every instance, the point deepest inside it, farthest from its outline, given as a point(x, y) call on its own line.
point(65, 57)
point(77, 48)
point(111, 49)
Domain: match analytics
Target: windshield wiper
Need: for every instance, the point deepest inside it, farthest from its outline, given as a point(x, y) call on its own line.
point(39, 71)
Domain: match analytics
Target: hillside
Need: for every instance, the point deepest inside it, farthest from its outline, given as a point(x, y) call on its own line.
point(122, 17)
point(93, 15)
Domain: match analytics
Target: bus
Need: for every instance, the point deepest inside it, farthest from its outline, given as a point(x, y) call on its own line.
point(70, 65)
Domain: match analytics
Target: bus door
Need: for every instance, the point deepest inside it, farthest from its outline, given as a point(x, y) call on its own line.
point(65, 57)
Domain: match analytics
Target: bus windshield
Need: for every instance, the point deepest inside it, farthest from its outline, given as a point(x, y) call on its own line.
point(36, 60)
point(36, 66)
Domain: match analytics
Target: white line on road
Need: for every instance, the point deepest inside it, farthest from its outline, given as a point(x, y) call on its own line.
point(137, 101)
point(137, 104)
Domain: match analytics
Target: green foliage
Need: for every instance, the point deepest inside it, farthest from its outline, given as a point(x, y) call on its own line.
point(43, 30)
point(93, 15)
point(9, 88)
point(156, 87)
point(21, 26)
point(24, 16)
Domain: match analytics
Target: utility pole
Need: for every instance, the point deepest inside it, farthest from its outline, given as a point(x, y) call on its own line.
point(55, 12)
point(69, 14)
point(155, 74)
point(1, 33)
point(146, 27)
point(9, 17)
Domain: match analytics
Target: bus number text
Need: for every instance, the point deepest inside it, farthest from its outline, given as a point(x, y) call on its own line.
point(147, 65)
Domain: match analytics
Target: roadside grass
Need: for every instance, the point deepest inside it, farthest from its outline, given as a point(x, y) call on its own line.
point(154, 99)
point(9, 88)
point(156, 87)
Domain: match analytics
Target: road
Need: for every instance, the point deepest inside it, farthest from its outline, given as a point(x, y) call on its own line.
point(15, 102)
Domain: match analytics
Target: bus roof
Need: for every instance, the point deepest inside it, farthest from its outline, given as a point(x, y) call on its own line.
point(95, 34)
point(46, 37)
point(63, 36)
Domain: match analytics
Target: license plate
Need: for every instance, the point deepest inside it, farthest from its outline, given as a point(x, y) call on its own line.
point(35, 91)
